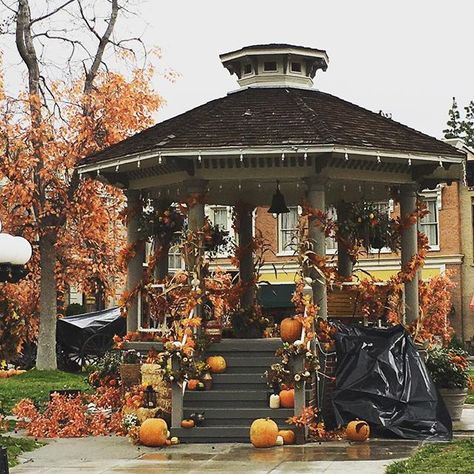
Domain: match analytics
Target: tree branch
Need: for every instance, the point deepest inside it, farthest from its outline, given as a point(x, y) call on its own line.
point(51, 13)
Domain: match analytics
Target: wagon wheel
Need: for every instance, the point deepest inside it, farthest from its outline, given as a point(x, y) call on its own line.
point(94, 348)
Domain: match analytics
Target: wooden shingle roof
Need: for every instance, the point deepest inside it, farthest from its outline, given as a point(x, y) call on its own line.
point(277, 116)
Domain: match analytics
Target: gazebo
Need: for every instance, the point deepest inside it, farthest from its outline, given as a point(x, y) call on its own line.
point(276, 127)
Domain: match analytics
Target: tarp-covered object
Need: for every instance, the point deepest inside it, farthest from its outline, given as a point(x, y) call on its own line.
point(381, 378)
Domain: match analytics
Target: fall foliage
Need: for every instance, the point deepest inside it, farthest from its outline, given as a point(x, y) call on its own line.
point(73, 224)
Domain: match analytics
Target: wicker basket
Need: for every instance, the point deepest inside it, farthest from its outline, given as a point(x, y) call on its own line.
point(151, 375)
point(130, 374)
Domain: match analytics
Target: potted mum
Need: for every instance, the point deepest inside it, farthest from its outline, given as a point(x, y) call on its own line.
point(449, 370)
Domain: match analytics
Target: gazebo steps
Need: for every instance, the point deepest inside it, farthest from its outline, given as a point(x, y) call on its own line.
point(238, 396)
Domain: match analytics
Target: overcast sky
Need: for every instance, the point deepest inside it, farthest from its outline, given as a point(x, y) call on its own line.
point(407, 58)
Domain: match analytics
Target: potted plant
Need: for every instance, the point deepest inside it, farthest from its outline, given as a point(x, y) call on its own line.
point(130, 368)
point(448, 368)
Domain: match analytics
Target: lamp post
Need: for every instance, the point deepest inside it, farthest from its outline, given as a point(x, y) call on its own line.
point(15, 252)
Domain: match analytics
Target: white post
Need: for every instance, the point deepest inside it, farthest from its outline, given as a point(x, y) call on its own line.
point(409, 248)
point(135, 264)
point(317, 200)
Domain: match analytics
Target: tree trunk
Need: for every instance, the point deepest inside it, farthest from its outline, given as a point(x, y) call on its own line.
point(46, 357)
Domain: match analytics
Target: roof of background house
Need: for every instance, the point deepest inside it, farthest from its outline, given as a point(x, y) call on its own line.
point(277, 116)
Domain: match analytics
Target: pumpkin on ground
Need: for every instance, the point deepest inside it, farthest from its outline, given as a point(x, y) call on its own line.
point(290, 330)
point(357, 430)
point(287, 398)
point(263, 433)
point(153, 432)
point(217, 364)
point(187, 423)
point(288, 436)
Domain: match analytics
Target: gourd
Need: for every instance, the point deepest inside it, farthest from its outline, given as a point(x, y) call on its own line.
point(275, 401)
point(288, 436)
point(279, 441)
point(187, 423)
point(287, 398)
point(153, 432)
point(357, 430)
point(263, 433)
point(290, 330)
point(217, 364)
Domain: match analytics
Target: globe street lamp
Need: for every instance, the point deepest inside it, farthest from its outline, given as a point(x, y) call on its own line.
point(15, 252)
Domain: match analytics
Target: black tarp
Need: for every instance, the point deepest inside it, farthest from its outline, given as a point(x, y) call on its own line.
point(381, 378)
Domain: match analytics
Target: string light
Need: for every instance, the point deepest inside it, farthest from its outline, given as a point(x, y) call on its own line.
point(378, 159)
point(346, 156)
point(241, 156)
point(305, 156)
point(259, 185)
point(138, 164)
point(117, 167)
point(441, 164)
point(199, 157)
point(98, 172)
point(160, 159)
point(409, 161)
point(283, 156)
point(239, 186)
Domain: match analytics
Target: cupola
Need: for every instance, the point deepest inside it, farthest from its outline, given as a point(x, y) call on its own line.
point(274, 65)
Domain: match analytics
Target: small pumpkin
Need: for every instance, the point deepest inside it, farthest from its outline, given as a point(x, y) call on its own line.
point(279, 441)
point(153, 432)
point(217, 364)
point(290, 330)
point(288, 436)
point(357, 430)
point(192, 384)
point(287, 398)
point(187, 423)
point(263, 433)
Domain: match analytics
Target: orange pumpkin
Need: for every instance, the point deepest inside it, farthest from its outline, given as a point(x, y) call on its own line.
point(217, 364)
point(357, 430)
point(187, 423)
point(287, 398)
point(263, 433)
point(192, 384)
point(288, 436)
point(290, 330)
point(153, 432)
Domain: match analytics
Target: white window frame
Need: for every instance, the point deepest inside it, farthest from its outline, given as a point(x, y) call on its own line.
point(433, 195)
point(389, 204)
point(285, 251)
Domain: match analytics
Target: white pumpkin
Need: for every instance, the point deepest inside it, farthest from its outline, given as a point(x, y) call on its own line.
point(279, 441)
point(275, 401)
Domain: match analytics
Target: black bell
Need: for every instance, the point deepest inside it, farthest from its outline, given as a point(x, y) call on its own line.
point(278, 202)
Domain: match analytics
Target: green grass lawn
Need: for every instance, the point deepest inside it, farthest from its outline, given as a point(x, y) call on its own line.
point(16, 446)
point(36, 385)
point(470, 396)
point(440, 458)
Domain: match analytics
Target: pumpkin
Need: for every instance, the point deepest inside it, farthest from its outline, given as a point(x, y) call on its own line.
point(216, 364)
point(287, 398)
point(290, 330)
point(279, 441)
point(263, 433)
point(288, 436)
point(153, 432)
point(187, 423)
point(357, 430)
point(192, 384)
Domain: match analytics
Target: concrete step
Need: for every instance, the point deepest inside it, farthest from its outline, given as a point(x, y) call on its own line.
point(226, 398)
point(239, 381)
point(256, 346)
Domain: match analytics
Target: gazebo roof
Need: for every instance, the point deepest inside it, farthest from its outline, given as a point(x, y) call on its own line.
point(279, 117)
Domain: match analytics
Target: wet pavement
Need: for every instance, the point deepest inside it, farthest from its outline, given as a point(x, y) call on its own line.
point(105, 455)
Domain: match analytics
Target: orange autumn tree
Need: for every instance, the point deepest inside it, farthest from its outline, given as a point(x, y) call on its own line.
point(44, 130)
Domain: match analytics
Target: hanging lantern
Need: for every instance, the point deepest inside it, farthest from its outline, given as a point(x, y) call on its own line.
point(278, 202)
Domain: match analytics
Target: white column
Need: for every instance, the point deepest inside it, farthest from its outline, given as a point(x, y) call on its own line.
point(317, 200)
point(135, 264)
point(246, 261)
point(409, 248)
point(344, 262)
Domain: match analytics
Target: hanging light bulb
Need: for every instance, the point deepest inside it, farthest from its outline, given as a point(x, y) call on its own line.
point(305, 156)
point(283, 156)
point(409, 161)
point(378, 159)
point(199, 157)
point(346, 156)
point(241, 156)
point(138, 164)
point(117, 167)
point(160, 159)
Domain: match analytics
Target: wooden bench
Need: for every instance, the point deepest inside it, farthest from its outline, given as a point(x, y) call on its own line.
point(344, 304)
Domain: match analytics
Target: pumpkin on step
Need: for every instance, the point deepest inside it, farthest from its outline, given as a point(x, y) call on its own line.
point(217, 364)
point(288, 436)
point(357, 430)
point(287, 398)
point(187, 423)
point(192, 384)
point(153, 432)
point(263, 433)
point(290, 330)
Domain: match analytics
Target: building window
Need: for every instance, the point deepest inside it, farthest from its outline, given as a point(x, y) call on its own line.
point(287, 231)
point(175, 261)
point(222, 217)
point(296, 67)
point(248, 69)
point(269, 66)
point(429, 224)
